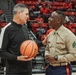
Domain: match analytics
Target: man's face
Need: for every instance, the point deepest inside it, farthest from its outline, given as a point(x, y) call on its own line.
point(53, 20)
point(23, 16)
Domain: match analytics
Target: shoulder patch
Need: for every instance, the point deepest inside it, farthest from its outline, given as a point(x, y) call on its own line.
point(74, 44)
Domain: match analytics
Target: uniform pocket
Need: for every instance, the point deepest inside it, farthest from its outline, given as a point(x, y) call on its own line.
point(60, 45)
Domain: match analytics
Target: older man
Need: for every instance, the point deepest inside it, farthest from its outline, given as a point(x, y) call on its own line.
point(13, 36)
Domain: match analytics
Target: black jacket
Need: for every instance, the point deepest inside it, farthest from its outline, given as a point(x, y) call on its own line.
point(10, 49)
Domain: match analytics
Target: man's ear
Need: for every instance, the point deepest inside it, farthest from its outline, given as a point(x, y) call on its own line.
point(58, 21)
point(18, 13)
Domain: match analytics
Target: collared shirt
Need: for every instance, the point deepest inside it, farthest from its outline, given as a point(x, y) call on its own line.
point(2, 33)
point(12, 37)
point(62, 43)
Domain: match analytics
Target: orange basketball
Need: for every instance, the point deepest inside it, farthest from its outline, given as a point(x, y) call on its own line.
point(29, 48)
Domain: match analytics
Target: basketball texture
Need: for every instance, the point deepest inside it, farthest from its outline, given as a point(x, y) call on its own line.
point(29, 48)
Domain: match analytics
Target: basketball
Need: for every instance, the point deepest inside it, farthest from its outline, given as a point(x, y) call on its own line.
point(29, 48)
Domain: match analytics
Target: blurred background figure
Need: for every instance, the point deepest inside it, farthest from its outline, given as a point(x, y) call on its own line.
point(3, 17)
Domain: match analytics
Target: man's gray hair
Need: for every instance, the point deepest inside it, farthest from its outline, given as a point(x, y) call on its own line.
point(19, 8)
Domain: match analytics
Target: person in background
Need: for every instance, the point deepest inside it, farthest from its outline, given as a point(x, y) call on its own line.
point(12, 37)
point(44, 42)
point(3, 17)
point(0, 37)
point(50, 29)
point(2, 61)
point(40, 31)
point(60, 48)
point(39, 19)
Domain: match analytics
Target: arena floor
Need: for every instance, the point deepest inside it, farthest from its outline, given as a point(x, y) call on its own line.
point(44, 74)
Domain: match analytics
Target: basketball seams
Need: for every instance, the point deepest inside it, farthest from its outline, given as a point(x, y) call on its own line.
point(26, 47)
point(35, 52)
point(31, 50)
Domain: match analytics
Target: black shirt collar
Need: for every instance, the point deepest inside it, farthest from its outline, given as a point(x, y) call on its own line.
point(14, 23)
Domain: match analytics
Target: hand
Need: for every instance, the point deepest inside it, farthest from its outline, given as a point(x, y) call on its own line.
point(23, 58)
point(44, 41)
point(49, 58)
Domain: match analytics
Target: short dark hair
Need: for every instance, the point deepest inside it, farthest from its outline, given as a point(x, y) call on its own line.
point(61, 14)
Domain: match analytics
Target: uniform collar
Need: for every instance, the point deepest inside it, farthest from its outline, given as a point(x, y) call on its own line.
point(59, 31)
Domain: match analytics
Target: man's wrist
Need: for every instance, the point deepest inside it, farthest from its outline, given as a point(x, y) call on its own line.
point(56, 57)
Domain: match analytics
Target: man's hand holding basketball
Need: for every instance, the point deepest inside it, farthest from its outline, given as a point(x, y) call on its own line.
point(24, 58)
